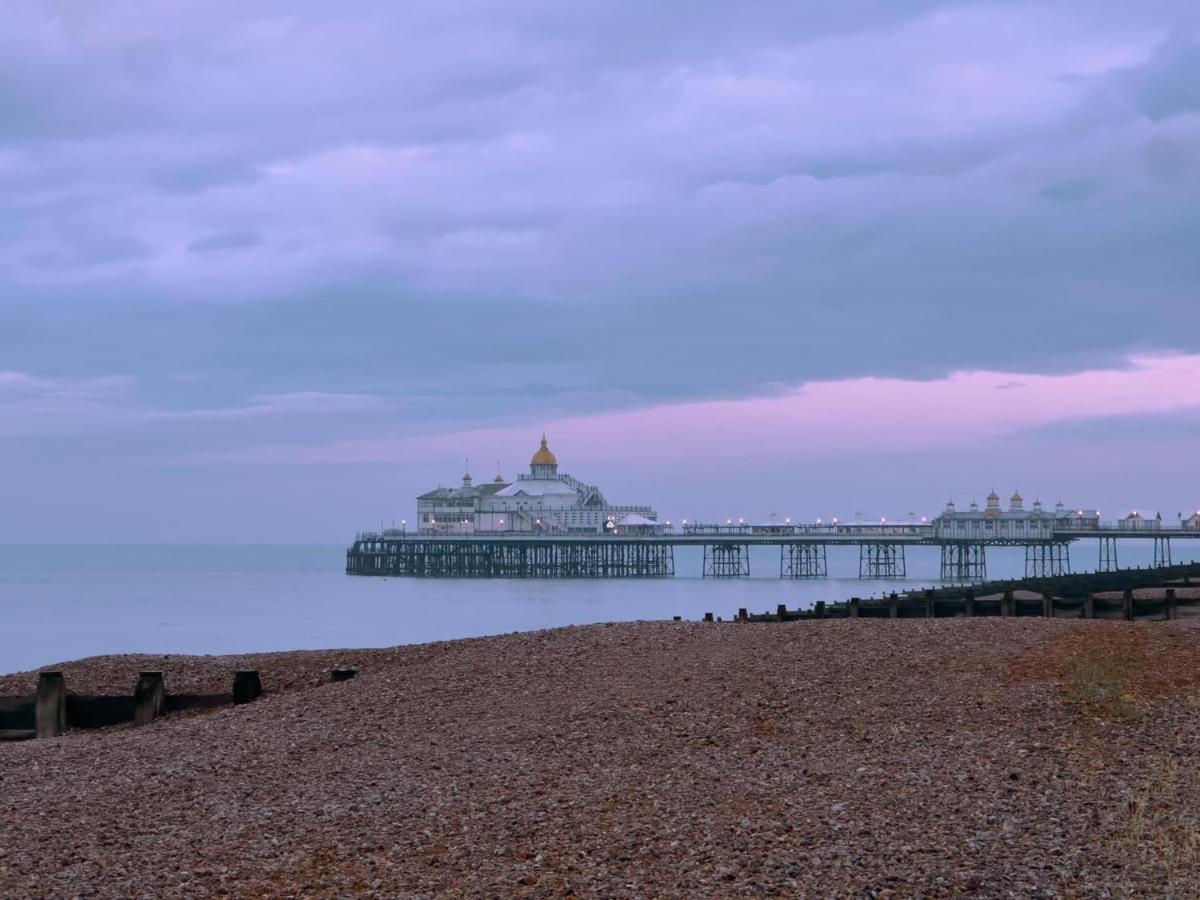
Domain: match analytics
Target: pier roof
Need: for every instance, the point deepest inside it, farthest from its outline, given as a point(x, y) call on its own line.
point(538, 487)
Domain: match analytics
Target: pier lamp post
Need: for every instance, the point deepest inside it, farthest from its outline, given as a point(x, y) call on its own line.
point(404, 526)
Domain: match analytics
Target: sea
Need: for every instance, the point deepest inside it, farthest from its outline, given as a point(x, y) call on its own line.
point(63, 602)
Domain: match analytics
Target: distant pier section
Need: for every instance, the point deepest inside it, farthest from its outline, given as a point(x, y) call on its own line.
point(550, 525)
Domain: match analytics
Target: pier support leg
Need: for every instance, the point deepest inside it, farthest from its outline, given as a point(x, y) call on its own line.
point(1162, 552)
point(1108, 555)
point(726, 561)
point(806, 560)
point(881, 561)
point(964, 562)
point(50, 708)
point(1049, 559)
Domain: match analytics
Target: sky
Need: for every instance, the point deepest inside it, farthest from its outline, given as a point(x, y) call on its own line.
point(268, 270)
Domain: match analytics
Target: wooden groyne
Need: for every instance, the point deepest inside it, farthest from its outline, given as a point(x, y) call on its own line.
point(1161, 593)
point(53, 709)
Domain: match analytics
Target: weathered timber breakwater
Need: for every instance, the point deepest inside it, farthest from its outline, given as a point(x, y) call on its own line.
point(948, 757)
point(1129, 594)
point(53, 710)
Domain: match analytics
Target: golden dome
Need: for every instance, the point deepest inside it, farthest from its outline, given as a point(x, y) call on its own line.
point(543, 457)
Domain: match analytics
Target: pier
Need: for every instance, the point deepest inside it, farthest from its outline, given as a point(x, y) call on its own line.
point(726, 551)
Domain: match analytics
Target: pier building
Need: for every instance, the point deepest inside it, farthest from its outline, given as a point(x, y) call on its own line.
point(453, 510)
point(994, 523)
point(546, 524)
point(544, 501)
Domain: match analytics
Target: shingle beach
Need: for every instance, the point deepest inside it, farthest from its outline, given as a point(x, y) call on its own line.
point(902, 758)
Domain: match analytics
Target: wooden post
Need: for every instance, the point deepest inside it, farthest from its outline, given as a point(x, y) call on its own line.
point(1006, 604)
point(50, 708)
point(1089, 605)
point(1127, 603)
point(854, 607)
point(1047, 604)
point(893, 606)
point(969, 603)
point(708, 617)
point(147, 697)
point(743, 615)
point(342, 674)
point(820, 610)
point(931, 604)
point(1172, 609)
point(781, 611)
point(247, 686)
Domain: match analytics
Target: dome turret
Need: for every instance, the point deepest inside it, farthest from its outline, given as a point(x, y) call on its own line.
point(544, 463)
point(993, 505)
point(543, 456)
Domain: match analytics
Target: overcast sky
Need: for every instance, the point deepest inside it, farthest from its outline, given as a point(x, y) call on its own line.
point(268, 270)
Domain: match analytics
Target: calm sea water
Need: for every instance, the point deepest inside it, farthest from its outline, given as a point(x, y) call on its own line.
point(64, 602)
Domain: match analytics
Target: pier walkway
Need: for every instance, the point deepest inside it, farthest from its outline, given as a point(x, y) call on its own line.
point(726, 551)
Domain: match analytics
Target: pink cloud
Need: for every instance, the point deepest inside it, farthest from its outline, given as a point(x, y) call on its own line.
point(815, 419)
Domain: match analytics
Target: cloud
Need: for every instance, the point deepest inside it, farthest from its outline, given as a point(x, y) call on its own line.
point(371, 224)
point(225, 241)
point(1168, 83)
point(817, 420)
point(32, 405)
